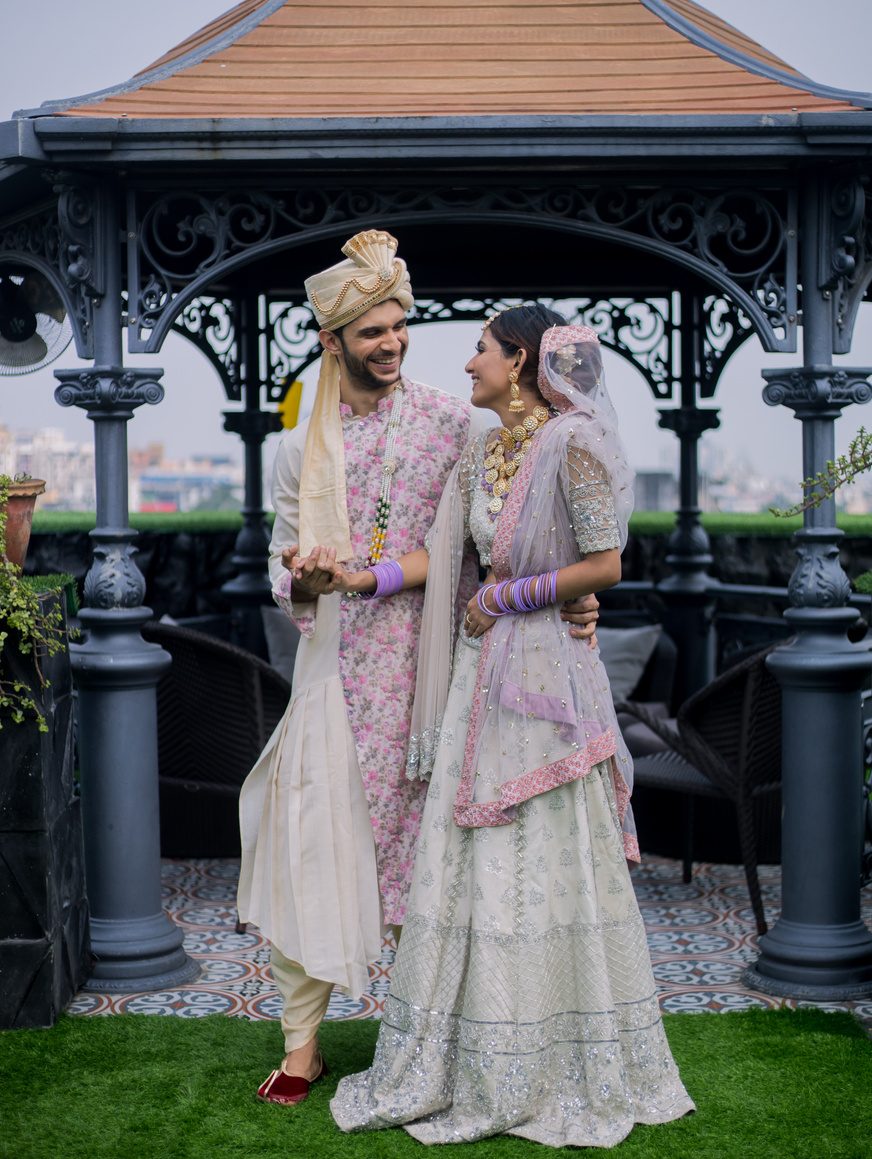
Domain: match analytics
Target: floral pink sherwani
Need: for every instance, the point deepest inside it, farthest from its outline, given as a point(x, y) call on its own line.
point(354, 678)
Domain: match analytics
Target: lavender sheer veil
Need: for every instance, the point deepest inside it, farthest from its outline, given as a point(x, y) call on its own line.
point(452, 580)
point(543, 713)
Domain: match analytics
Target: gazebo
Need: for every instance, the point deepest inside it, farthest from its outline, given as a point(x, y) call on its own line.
point(633, 157)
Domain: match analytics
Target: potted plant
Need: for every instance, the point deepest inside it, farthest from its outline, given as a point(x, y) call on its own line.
point(36, 625)
point(18, 498)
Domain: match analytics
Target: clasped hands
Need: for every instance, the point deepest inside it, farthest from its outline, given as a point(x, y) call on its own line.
point(320, 574)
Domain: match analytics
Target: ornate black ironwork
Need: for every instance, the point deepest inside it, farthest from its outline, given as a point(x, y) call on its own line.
point(845, 257)
point(114, 579)
point(817, 394)
point(818, 580)
point(61, 239)
point(210, 323)
point(111, 394)
point(642, 331)
point(740, 240)
point(726, 329)
point(81, 256)
point(292, 345)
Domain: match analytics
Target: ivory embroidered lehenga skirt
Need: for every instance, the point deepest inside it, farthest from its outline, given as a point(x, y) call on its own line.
point(522, 998)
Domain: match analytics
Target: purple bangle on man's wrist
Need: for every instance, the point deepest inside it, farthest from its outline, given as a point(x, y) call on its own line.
point(389, 580)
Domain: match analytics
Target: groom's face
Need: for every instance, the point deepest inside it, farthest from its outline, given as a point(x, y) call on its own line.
point(373, 346)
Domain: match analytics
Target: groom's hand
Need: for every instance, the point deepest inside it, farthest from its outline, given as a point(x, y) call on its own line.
point(313, 576)
point(582, 615)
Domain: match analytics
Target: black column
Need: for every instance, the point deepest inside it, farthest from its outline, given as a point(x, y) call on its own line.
point(689, 592)
point(819, 948)
point(250, 588)
point(136, 946)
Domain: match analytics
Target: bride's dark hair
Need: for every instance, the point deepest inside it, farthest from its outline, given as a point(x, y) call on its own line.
point(521, 328)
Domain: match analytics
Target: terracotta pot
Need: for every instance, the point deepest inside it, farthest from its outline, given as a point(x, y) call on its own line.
point(22, 498)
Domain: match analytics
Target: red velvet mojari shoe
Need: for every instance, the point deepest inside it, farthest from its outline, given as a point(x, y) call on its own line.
point(288, 1089)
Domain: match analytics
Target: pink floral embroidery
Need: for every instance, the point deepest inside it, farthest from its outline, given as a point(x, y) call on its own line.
point(304, 619)
point(378, 648)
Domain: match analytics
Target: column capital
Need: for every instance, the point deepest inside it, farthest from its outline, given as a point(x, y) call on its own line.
point(252, 425)
point(817, 389)
point(114, 391)
point(689, 421)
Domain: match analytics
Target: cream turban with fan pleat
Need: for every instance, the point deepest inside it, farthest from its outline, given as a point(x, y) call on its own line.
point(372, 274)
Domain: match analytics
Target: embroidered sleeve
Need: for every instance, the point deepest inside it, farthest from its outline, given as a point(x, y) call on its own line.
point(590, 502)
point(470, 476)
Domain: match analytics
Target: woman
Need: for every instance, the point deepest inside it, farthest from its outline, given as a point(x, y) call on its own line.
point(522, 999)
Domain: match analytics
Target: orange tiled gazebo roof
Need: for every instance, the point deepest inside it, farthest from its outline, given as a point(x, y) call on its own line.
point(346, 58)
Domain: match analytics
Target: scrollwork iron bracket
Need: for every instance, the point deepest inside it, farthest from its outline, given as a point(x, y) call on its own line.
point(56, 239)
point(210, 324)
point(845, 252)
point(726, 329)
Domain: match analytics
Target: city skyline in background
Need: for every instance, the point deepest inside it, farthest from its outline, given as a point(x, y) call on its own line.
point(62, 50)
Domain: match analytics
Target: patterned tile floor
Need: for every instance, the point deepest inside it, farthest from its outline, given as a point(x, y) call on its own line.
point(701, 937)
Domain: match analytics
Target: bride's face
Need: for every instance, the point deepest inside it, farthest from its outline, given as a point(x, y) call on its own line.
point(490, 369)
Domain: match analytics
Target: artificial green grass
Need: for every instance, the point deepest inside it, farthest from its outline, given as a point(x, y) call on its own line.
point(56, 582)
point(768, 1085)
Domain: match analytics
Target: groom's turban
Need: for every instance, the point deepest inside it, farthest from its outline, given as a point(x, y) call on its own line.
point(372, 274)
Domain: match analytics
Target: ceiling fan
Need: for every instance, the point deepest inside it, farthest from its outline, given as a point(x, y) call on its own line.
point(34, 328)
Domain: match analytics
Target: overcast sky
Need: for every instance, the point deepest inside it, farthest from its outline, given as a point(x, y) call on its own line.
point(54, 49)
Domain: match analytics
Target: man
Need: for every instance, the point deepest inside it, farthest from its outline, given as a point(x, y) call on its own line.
point(329, 819)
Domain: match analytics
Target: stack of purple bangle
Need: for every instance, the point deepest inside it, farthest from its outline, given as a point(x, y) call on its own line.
point(388, 580)
point(520, 595)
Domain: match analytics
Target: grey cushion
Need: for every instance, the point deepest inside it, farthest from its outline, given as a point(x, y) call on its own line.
point(625, 652)
point(282, 638)
point(643, 741)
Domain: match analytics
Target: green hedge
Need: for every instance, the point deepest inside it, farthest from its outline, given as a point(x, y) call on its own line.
point(59, 522)
point(642, 523)
point(762, 525)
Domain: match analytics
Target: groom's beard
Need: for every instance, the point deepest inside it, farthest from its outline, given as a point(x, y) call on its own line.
point(358, 370)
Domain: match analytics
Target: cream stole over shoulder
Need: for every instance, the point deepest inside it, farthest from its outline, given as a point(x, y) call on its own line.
point(323, 506)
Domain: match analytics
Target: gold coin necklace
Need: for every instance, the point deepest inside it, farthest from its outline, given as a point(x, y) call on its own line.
point(505, 456)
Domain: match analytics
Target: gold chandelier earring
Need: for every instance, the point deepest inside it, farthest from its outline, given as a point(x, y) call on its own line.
point(516, 404)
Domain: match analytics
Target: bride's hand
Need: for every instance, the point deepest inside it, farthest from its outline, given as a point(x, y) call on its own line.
point(476, 622)
point(352, 582)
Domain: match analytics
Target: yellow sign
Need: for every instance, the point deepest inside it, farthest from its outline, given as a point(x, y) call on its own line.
point(289, 407)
